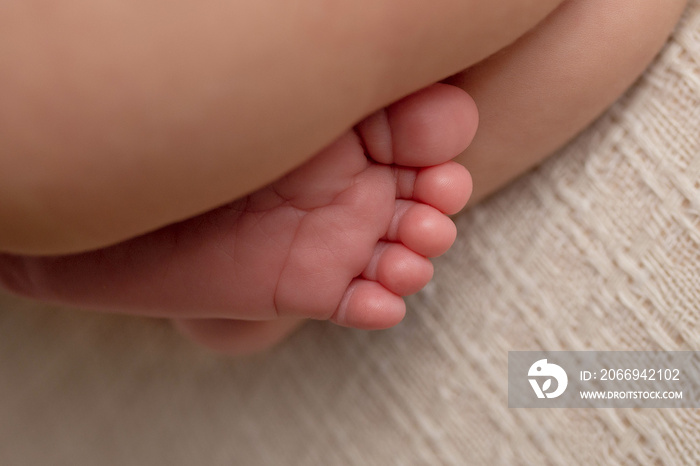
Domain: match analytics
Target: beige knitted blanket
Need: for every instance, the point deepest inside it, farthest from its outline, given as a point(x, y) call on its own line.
point(598, 249)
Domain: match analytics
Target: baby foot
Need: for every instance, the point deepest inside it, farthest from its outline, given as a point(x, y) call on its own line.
point(341, 238)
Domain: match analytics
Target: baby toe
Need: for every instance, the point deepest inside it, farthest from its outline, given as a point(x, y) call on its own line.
point(426, 128)
point(446, 187)
point(368, 305)
point(399, 269)
point(422, 228)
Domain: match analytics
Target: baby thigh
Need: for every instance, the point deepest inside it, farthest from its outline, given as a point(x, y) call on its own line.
point(539, 92)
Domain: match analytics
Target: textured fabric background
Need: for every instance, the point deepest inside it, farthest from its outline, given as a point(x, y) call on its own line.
point(596, 250)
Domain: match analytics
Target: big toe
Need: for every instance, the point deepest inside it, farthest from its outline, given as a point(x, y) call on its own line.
point(427, 128)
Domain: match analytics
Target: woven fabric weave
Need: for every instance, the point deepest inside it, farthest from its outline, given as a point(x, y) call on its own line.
point(597, 249)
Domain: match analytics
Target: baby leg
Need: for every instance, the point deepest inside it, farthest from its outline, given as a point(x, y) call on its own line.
point(123, 116)
point(538, 93)
point(341, 238)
